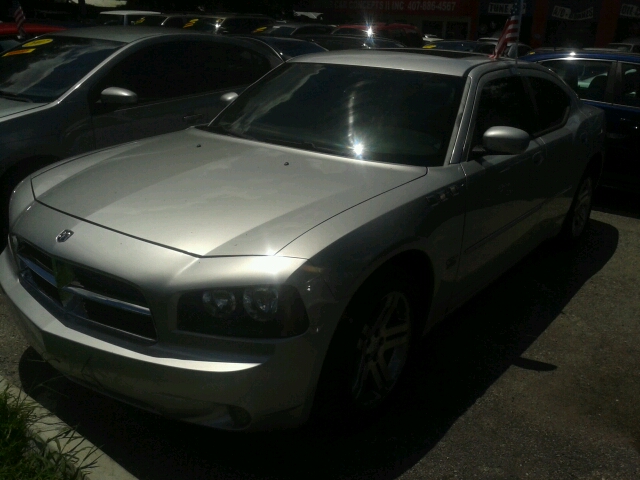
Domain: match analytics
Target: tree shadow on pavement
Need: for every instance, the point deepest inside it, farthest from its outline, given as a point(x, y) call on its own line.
point(459, 361)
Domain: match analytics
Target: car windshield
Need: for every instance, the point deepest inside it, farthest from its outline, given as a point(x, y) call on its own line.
point(150, 20)
point(203, 24)
point(41, 70)
point(290, 49)
point(379, 114)
point(278, 30)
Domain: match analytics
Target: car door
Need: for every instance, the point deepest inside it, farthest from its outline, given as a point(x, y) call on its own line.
point(502, 197)
point(622, 164)
point(554, 168)
point(178, 83)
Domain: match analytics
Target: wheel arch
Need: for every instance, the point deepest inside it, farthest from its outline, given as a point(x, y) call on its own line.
point(595, 166)
point(416, 267)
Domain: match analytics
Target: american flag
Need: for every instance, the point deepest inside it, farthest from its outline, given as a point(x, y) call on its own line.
point(18, 16)
point(511, 32)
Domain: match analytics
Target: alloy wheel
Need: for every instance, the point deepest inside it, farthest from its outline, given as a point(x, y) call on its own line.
point(383, 349)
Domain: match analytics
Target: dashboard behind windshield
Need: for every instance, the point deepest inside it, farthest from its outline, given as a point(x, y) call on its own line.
point(386, 115)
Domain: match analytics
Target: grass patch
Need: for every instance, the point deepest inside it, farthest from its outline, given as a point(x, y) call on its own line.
point(24, 456)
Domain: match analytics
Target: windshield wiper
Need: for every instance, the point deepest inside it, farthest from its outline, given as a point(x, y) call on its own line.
point(227, 131)
point(15, 96)
point(305, 145)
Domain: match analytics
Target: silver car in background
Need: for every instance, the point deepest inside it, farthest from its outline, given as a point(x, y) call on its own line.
point(285, 259)
point(84, 89)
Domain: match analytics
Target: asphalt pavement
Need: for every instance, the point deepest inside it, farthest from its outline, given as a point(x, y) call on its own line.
point(538, 377)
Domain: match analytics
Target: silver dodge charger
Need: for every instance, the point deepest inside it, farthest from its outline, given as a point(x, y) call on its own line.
point(284, 260)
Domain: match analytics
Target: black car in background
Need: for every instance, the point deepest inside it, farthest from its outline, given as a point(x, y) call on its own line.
point(609, 80)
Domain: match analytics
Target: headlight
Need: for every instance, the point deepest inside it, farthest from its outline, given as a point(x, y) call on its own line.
point(263, 311)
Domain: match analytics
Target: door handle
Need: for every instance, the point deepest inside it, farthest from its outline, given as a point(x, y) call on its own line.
point(193, 118)
point(584, 138)
point(538, 158)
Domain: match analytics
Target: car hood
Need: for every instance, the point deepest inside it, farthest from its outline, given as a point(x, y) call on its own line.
point(10, 107)
point(212, 195)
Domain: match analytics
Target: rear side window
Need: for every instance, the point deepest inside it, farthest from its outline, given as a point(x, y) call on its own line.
point(630, 85)
point(552, 103)
point(503, 103)
point(588, 78)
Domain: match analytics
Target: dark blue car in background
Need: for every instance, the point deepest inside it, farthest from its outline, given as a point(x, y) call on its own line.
point(609, 80)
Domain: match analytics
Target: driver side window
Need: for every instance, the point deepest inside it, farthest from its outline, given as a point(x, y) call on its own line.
point(504, 102)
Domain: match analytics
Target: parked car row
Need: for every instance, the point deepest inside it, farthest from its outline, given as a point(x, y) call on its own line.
point(609, 80)
point(281, 261)
point(485, 45)
point(84, 89)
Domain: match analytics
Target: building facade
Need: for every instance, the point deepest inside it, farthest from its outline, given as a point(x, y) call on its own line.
point(579, 23)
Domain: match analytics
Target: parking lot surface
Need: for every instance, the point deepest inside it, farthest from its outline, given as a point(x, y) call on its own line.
point(538, 377)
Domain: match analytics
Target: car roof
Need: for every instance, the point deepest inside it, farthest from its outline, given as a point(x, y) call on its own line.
point(586, 54)
point(419, 60)
point(122, 33)
point(128, 12)
point(377, 26)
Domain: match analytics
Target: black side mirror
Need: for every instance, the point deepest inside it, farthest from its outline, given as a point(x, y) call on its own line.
point(118, 96)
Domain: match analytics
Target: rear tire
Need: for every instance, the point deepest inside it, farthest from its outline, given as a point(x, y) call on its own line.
point(577, 219)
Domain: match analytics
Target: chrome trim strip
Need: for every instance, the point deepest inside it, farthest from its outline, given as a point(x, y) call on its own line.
point(111, 302)
point(38, 270)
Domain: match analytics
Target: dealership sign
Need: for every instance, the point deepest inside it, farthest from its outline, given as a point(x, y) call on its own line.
point(631, 11)
point(564, 13)
point(503, 8)
point(415, 7)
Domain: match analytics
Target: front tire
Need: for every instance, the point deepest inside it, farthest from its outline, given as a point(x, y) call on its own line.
point(369, 351)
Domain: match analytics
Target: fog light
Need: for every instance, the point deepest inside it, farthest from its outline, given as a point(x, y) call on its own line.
point(219, 303)
point(260, 303)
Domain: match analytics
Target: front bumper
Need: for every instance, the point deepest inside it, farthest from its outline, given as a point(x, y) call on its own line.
point(269, 386)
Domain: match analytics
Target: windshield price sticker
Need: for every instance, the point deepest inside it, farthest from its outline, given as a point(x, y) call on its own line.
point(190, 23)
point(37, 43)
point(19, 52)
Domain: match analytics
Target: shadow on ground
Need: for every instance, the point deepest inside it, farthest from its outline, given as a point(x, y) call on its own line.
point(618, 202)
point(462, 358)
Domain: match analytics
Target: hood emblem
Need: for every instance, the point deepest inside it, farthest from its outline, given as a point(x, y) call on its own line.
point(64, 235)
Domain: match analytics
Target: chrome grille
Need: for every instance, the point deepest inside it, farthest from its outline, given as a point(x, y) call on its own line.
point(82, 297)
